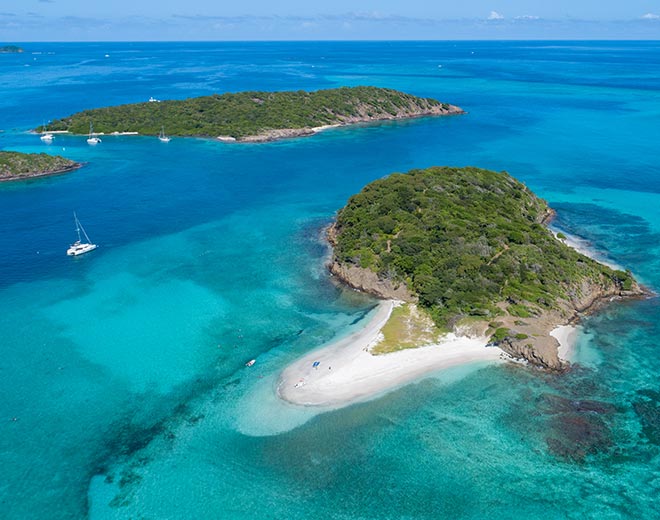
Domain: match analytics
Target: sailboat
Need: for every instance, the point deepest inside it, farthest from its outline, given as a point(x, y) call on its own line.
point(162, 137)
point(46, 136)
point(92, 139)
point(79, 247)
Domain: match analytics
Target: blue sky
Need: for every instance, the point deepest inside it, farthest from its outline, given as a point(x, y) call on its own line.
point(133, 20)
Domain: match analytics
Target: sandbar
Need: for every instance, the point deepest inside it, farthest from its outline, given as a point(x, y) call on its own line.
point(345, 371)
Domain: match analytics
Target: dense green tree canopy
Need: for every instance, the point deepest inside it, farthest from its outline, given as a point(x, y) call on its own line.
point(464, 240)
point(247, 113)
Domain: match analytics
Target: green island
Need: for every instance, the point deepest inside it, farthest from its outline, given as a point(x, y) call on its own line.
point(18, 166)
point(469, 252)
point(10, 49)
point(255, 116)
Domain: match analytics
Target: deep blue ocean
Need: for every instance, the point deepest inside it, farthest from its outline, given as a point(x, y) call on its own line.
point(123, 388)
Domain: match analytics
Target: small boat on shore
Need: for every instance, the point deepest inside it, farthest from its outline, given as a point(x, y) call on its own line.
point(92, 139)
point(79, 247)
point(162, 137)
point(250, 363)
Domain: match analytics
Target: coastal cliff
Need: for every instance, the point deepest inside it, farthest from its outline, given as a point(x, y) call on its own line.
point(529, 339)
point(257, 116)
point(20, 166)
point(471, 247)
point(366, 280)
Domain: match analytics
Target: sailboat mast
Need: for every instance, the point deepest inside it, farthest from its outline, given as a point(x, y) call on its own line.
point(77, 225)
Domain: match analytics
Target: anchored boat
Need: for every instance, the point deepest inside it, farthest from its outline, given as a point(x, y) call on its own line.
point(46, 136)
point(79, 247)
point(92, 139)
point(162, 137)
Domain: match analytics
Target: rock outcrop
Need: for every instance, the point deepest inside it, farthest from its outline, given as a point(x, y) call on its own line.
point(529, 339)
point(366, 280)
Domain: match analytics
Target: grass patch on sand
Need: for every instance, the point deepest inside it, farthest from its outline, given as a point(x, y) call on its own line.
point(408, 327)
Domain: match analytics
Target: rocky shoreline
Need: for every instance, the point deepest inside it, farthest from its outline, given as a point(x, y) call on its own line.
point(8, 177)
point(364, 280)
point(404, 113)
point(278, 134)
point(529, 339)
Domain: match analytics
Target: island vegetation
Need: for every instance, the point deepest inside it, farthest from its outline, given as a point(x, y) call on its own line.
point(470, 247)
point(10, 49)
point(255, 116)
point(17, 165)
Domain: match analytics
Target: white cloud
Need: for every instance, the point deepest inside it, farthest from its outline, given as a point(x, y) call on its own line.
point(651, 16)
point(494, 15)
point(527, 17)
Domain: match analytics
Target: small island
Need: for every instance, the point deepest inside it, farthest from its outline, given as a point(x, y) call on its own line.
point(255, 116)
point(10, 49)
point(470, 248)
point(19, 166)
point(468, 272)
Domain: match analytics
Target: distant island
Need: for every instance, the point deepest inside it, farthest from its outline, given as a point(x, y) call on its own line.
point(469, 248)
point(18, 166)
point(255, 116)
point(10, 49)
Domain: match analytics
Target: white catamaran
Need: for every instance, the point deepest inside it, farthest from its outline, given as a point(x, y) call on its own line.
point(92, 139)
point(79, 247)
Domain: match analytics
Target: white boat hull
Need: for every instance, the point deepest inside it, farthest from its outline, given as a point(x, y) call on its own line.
point(80, 249)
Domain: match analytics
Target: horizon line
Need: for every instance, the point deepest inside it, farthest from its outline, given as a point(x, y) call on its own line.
point(330, 40)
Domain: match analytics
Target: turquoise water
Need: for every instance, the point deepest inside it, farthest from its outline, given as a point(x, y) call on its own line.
point(123, 369)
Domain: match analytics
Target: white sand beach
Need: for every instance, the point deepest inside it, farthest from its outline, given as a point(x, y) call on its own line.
point(345, 371)
point(566, 335)
point(318, 129)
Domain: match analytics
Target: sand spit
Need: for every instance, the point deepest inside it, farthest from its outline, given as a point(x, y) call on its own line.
point(345, 371)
